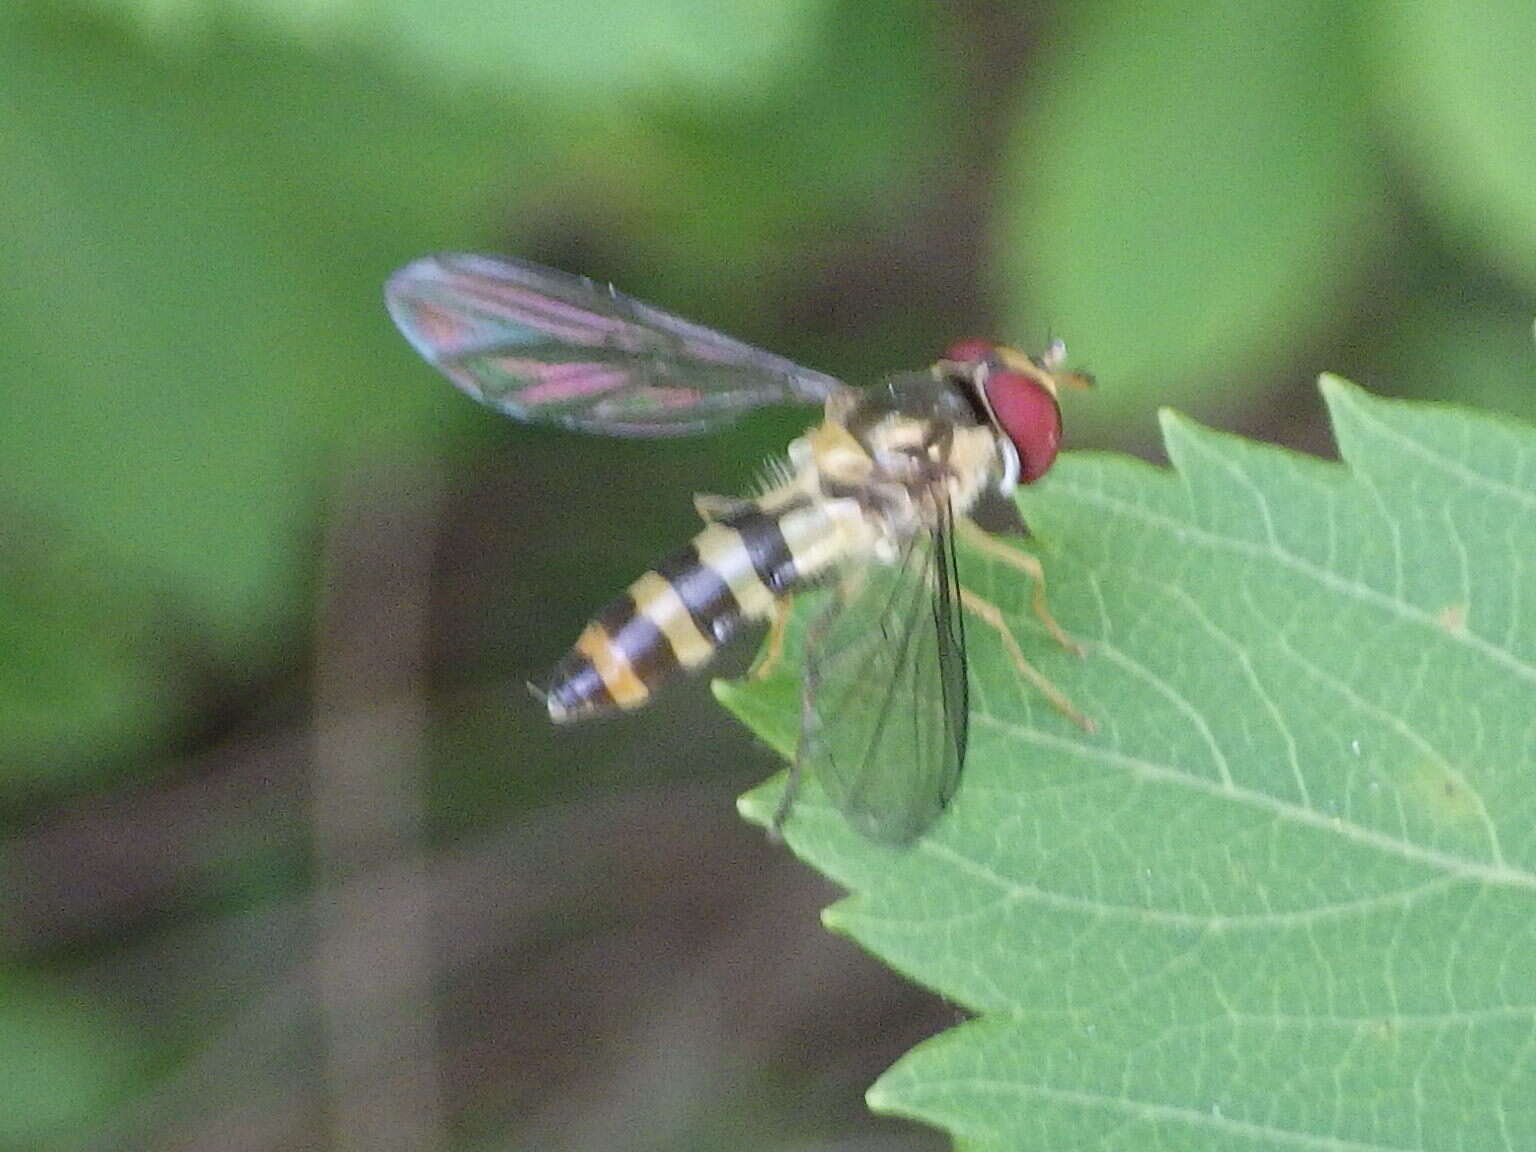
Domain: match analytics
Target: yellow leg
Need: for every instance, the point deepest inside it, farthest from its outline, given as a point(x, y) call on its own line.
point(989, 613)
point(764, 667)
point(989, 545)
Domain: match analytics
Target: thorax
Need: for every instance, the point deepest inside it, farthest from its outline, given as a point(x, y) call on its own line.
point(877, 474)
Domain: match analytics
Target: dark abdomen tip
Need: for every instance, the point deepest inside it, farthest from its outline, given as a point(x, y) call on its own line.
point(574, 690)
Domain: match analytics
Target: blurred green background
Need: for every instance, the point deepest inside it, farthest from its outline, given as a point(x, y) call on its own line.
point(291, 860)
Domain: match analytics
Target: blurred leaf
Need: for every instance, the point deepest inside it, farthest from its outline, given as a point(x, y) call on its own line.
point(597, 50)
point(731, 197)
point(1286, 896)
point(82, 675)
point(589, 53)
point(1188, 189)
point(194, 327)
point(61, 1063)
point(1463, 343)
point(856, 141)
point(1455, 86)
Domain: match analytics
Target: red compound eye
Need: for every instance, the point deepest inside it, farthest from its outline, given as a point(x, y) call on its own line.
point(970, 351)
point(1028, 414)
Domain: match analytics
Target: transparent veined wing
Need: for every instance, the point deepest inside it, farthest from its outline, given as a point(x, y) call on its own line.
point(885, 696)
point(543, 345)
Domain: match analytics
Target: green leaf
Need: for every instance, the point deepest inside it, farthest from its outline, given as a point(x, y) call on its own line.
point(1188, 188)
point(1462, 341)
point(1285, 897)
point(590, 53)
point(85, 675)
point(194, 341)
point(1455, 83)
point(63, 1060)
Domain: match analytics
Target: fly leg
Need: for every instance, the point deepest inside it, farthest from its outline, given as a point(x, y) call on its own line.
point(990, 546)
point(711, 507)
point(990, 614)
point(814, 635)
point(770, 659)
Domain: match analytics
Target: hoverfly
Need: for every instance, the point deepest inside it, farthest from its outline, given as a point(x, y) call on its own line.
point(868, 503)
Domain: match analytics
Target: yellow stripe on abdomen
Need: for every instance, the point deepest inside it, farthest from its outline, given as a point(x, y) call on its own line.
point(813, 540)
point(678, 614)
point(618, 675)
point(722, 549)
point(660, 603)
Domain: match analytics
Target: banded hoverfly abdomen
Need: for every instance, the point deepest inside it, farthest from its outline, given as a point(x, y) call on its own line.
point(681, 612)
point(869, 502)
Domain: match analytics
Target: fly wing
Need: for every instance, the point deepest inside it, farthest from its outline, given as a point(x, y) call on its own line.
point(547, 346)
point(886, 691)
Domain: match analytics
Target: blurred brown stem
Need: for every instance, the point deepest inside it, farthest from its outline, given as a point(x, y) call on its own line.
point(374, 938)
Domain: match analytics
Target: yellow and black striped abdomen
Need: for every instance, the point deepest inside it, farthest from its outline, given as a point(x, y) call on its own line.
point(679, 614)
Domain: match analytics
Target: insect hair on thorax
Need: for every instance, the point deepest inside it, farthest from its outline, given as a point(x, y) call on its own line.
point(773, 472)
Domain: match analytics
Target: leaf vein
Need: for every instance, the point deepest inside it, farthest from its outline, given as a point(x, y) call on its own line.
point(1190, 1117)
point(1240, 654)
point(1352, 588)
point(1393, 722)
point(1011, 891)
point(1454, 1018)
point(1454, 865)
point(1437, 459)
point(1176, 698)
